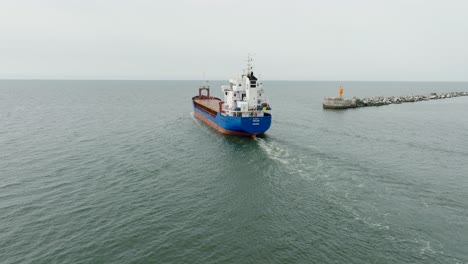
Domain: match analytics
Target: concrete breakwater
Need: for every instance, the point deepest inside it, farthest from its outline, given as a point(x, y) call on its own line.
point(340, 103)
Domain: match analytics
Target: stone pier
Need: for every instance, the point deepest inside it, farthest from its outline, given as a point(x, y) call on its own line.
point(340, 103)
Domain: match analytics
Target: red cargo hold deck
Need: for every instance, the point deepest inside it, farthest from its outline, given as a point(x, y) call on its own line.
point(212, 104)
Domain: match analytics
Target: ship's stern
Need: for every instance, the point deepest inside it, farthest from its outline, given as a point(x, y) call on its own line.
point(256, 124)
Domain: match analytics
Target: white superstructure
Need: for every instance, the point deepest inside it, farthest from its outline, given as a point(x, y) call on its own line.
point(244, 96)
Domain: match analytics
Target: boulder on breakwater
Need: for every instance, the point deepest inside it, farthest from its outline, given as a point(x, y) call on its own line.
point(340, 103)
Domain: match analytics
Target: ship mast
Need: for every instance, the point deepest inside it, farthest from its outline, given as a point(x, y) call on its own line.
point(207, 83)
point(249, 64)
point(248, 71)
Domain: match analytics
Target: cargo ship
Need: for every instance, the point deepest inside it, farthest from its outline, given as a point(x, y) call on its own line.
point(244, 110)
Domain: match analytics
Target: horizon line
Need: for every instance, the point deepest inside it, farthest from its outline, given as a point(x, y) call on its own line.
point(216, 80)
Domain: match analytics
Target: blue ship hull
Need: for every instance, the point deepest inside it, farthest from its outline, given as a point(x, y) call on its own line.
point(243, 126)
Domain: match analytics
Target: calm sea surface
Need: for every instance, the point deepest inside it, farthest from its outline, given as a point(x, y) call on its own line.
point(121, 172)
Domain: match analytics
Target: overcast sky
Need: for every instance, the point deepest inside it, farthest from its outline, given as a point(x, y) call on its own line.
point(396, 40)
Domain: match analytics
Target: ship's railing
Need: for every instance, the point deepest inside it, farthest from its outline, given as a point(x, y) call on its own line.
point(242, 113)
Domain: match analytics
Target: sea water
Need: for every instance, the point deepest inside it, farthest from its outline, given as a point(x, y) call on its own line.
point(121, 172)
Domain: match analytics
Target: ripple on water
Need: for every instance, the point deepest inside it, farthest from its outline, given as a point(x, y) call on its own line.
point(99, 172)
